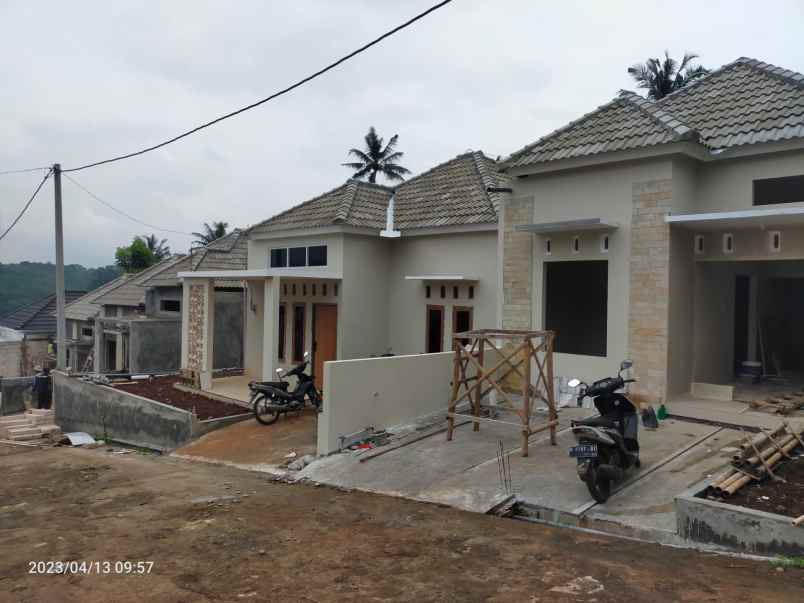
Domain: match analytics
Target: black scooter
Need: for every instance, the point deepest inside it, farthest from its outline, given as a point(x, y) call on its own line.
point(607, 444)
point(270, 399)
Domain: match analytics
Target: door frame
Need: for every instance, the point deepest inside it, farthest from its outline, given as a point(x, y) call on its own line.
point(440, 308)
point(314, 343)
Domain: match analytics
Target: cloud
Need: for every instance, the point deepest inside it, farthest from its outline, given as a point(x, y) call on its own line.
point(96, 79)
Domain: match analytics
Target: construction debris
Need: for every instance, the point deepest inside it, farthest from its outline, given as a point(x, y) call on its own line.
point(756, 458)
point(782, 404)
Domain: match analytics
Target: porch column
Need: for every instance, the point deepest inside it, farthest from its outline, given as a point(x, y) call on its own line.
point(185, 314)
point(97, 331)
point(200, 323)
point(270, 325)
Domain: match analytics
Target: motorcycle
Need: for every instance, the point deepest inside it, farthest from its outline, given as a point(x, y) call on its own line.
point(607, 444)
point(270, 399)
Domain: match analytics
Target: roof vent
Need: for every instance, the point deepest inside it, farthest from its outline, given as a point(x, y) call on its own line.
point(389, 232)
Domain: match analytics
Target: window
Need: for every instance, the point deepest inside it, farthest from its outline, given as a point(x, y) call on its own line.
point(443, 291)
point(455, 293)
point(548, 247)
point(304, 290)
point(279, 258)
point(324, 289)
point(775, 241)
point(576, 303)
point(87, 332)
point(789, 189)
point(427, 291)
point(461, 321)
point(285, 289)
point(434, 337)
point(314, 289)
point(335, 289)
point(576, 244)
point(170, 305)
point(728, 243)
point(298, 257)
point(604, 244)
point(298, 332)
point(317, 256)
point(471, 292)
point(293, 289)
point(281, 331)
point(699, 244)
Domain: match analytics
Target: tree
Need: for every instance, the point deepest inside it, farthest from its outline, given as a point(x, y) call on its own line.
point(660, 78)
point(135, 257)
point(376, 159)
point(211, 232)
point(159, 248)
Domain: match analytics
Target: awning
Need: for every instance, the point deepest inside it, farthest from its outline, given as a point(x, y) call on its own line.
point(745, 218)
point(442, 278)
point(567, 226)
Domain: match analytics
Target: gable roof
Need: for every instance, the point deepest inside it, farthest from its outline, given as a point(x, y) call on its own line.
point(166, 275)
point(230, 252)
point(744, 102)
point(129, 292)
point(38, 316)
point(455, 192)
point(85, 307)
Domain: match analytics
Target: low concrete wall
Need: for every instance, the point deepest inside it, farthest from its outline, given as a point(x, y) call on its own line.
point(739, 528)
point(381, 392)
point(14, 393)
point(155, 345)
point(107, 412)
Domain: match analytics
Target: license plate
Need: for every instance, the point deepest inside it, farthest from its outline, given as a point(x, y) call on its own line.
point(584, 451)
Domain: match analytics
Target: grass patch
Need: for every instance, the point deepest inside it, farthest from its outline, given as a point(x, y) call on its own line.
point(792, 562)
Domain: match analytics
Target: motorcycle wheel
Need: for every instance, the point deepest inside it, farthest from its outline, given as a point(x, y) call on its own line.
point(262, 413)
point(600, 487)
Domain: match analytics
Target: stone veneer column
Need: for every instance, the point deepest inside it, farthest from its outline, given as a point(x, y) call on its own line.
point(517, 266)
point(649, 288)
point(195, 327)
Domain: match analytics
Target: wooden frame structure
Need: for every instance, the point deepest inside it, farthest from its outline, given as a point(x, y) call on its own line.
point(520, 353)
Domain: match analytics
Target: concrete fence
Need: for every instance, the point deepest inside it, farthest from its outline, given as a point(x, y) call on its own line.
point(380, 393)
point(14, 393)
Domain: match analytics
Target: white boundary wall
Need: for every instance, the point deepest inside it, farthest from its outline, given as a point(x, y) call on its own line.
point(381, 393)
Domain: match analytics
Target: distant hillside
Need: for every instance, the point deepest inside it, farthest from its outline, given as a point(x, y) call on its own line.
point(27, 281)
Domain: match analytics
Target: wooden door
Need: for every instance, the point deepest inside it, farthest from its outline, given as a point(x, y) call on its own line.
point(325, 339)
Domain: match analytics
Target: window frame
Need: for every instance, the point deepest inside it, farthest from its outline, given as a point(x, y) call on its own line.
point(282, 252)
point(455, 310)
point(286, 253)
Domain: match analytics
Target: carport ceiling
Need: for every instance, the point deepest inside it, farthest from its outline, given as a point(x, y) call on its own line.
point(747, 218)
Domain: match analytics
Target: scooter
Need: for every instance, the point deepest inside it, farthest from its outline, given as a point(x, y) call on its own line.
point(270, 399)
point(607, 444)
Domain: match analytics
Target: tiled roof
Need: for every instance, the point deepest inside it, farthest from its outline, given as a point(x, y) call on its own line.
point(744, 102)
point(85, 307)
point(230, 252)
point(38, 316)
point(452, 193)
point(130, 292)
point(167, 275)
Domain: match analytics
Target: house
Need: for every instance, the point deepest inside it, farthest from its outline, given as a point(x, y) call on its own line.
point(670, 232)
point(359, 271)
point(28, 333)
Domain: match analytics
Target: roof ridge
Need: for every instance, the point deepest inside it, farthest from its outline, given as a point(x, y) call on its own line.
point(348, 199)
point(485, 178)
point(664, 118)
point(787, 75)
point(168, 263)
point(712, 74)
point(434, 168)
point(295, 207)
point(566, 127)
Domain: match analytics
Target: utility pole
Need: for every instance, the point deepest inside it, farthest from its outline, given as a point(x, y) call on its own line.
point(61, 327)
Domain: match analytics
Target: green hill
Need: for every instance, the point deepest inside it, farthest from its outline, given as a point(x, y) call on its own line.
point(27, 281)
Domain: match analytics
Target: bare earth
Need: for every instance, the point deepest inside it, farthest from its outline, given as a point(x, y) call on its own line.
point(282, 542)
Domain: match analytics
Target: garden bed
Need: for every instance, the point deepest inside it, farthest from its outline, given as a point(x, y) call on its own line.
point(161, 389)
point(772, 496)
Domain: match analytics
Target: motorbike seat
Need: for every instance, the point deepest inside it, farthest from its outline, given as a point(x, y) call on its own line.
point(596, 422)
point(267, 385)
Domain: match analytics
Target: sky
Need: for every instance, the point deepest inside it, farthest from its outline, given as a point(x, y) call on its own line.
point(86, 80)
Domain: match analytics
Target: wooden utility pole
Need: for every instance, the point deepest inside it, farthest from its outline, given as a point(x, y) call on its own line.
point(61, 327)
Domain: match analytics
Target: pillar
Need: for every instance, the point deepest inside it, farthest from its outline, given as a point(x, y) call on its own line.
point(270, 360)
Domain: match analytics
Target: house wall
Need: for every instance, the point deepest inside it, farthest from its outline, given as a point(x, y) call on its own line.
point(259, 251)
point(154, 345)
point(470, 254)
point(10, 358)
point(228, 333)
point(606, 192)
point(154, 297)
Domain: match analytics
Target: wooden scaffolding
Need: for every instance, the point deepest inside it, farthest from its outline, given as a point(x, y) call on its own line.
point(516, 353)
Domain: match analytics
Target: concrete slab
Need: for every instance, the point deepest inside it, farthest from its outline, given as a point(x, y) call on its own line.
point(731, 413)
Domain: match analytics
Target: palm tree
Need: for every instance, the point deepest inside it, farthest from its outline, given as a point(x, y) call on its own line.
point(215, 231)
point(159, 248)
point(660, 78)
point(376, 159)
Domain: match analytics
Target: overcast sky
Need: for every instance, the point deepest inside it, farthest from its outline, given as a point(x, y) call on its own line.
point(86, 80)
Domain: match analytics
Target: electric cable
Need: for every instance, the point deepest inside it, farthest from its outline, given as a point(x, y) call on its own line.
point(27, 205)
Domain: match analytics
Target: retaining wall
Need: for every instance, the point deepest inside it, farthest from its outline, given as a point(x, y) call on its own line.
point(746, 530)
point(380, 393)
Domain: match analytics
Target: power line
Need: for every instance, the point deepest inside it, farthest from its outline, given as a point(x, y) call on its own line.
point(25, 171)
point(273, 96)
point(27, 205)
point(120, 211)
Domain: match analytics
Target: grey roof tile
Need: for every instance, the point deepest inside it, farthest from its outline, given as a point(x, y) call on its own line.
point(38, 316)
point(129, 292)
point(85, 307)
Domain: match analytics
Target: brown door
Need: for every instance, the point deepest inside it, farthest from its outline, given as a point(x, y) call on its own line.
point(325, 339)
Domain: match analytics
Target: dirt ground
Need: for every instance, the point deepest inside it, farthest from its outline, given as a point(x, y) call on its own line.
point(270, 541)
point(784, 498)
point(161, 389)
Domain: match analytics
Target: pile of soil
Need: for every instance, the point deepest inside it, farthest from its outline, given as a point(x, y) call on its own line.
point(783, 498)
point(161, 390)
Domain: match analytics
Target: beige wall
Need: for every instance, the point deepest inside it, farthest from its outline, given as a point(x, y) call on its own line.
point(381, 393)
point(259, 251)
point(603, 192)
point(10, 358)
point(468, 254)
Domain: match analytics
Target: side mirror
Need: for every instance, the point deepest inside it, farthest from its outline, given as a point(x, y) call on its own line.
point(279, 371)
point(625, 365)
point(307, 355)
point(574, 382)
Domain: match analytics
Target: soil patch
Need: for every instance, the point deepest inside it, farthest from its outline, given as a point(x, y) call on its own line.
point(161, 390)
point(772, 496)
